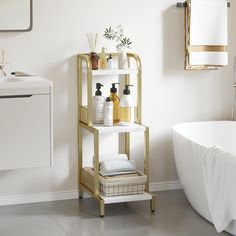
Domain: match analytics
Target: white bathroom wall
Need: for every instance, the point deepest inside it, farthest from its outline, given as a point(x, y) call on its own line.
point(170, 94)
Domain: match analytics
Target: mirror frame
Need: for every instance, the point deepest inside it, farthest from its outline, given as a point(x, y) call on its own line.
point(31, 22)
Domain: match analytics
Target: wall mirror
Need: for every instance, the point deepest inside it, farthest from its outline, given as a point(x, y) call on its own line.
point(16, 15)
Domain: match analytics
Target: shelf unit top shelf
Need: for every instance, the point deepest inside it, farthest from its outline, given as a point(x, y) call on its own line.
point(129, 71)
point(119, 128)
point(127, 198)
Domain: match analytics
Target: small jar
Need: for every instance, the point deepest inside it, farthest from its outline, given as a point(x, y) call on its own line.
point(94, 60)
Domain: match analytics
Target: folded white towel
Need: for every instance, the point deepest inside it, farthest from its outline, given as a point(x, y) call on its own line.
point(117, 166)
point(220, 178)
point(104, 158)
point(207, 33)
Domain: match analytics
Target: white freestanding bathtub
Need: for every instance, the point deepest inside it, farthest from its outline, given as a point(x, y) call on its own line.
point(190, 140)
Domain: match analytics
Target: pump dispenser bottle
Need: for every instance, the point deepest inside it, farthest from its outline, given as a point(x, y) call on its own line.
point(108, 112)
point(116, 103)
point(126, 107)
point(98, 105)
point(110, 63)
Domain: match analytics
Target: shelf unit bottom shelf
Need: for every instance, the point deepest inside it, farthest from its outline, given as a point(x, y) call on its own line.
point(127, 198)
point(118, 199)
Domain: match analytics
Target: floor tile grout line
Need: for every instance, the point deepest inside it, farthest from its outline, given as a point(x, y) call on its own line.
point(61, 227)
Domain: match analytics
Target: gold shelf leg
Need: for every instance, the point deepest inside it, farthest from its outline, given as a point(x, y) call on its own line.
point(96, 162)
point(124, 139)
point(81, 192)
point(80, 150)
point(127, 144)
point(139, 95)
point(102, 208)
point(146, 157)
point(139, 85)
point(89, 96)
point(80, 133)
point(153, 203)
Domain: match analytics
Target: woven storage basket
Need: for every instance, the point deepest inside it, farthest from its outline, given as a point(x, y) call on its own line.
point(119, 186)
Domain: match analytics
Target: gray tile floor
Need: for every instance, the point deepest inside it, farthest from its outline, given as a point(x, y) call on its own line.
point(174, 216)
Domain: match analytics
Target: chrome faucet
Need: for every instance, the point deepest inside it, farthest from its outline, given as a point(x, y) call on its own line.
point(2, 64)
point(2, 70)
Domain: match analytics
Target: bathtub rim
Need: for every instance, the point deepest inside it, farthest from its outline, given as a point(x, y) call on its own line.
point(175, 129)
point(179, 125)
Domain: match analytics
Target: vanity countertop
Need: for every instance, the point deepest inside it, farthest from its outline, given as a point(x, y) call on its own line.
point(25, 85)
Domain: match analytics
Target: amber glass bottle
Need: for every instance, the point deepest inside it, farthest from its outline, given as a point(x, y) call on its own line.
point(94, 59)
point(116, 103)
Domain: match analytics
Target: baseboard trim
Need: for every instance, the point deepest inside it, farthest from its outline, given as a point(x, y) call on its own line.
point(73, 194)
point(38, 197)
point(165, 186)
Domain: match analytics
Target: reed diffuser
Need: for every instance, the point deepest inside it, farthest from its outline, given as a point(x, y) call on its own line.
point(92, 41)
point(2, 64)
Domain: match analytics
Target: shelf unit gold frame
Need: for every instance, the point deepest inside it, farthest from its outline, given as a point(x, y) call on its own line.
point(85, 122)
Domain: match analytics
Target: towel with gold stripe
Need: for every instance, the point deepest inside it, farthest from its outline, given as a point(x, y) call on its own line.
point(206, 34)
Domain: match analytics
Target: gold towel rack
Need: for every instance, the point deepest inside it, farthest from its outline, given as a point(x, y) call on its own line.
point(184, 4)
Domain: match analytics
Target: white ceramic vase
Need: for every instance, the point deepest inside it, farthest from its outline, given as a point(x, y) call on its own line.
point(122, 60)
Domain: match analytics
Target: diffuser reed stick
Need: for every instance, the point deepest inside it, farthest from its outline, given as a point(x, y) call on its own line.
point(92, 41)
point(3, 56)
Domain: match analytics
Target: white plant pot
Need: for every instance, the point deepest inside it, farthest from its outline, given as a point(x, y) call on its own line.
point(122, 60)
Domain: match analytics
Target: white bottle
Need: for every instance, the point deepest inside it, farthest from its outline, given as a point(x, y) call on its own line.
point(110, 63)
point(98, 105)
point(108, 112)
point(126, 107)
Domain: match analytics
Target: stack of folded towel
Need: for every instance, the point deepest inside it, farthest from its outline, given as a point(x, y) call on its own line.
point(116, 165)
point(206, 34)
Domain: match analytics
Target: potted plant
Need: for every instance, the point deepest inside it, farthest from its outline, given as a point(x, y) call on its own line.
point(122, 43)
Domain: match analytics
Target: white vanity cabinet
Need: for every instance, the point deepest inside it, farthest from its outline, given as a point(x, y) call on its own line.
point(26, 123)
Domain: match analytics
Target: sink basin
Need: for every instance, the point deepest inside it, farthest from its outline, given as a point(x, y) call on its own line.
point(24, 85)
point(13, 80)
point(10, 79)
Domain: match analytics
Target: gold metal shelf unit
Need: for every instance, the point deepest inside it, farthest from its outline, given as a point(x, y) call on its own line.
point(85, 122)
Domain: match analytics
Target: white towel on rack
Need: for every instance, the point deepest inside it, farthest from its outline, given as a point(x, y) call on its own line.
point(219, 179)
point(117, 166)
point(110, 157)
point(207, 36)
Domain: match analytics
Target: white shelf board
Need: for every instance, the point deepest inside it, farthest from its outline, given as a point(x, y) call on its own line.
point(127, 198)
point(119, 128)
point(112, 72)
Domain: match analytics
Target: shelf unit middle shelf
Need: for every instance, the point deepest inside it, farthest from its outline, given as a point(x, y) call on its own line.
point(115, 128)
point(106, 72)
